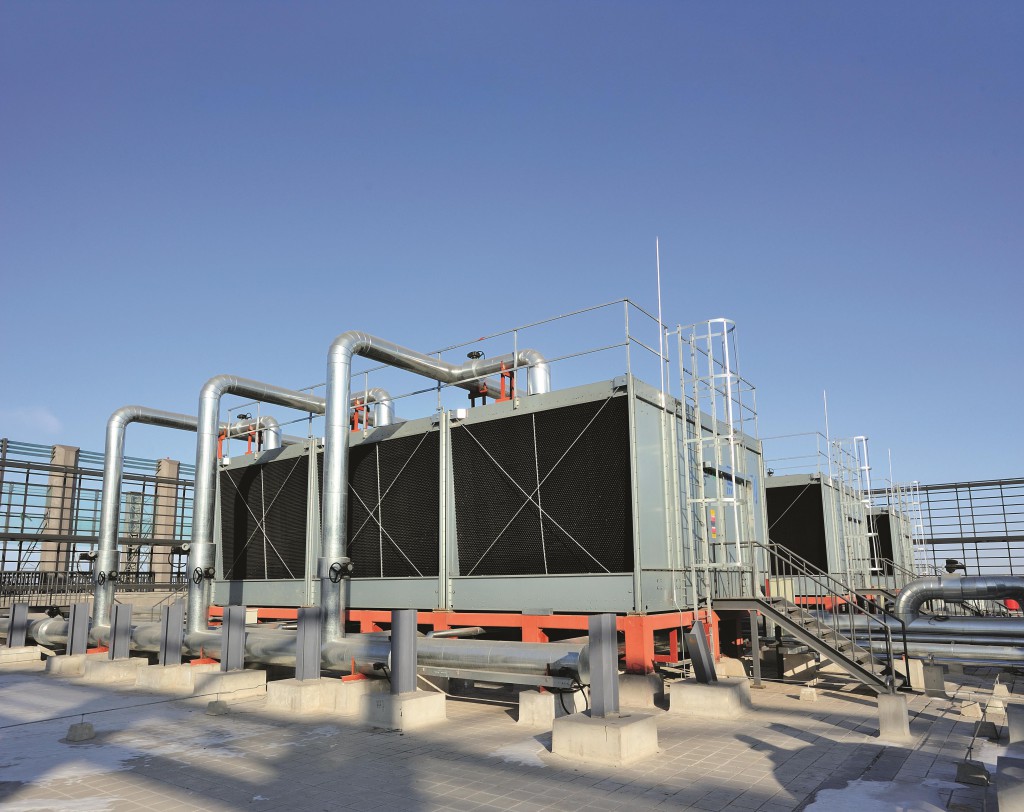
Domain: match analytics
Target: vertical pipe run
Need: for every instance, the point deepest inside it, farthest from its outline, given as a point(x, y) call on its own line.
point(403, 651)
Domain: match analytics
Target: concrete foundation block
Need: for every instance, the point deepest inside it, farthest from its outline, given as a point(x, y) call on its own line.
point(1015, 723)
point(230, 686)
point(613, 740)
point(297, 696)
point(216, 708)
point(80, 732)
point(893, 717)
point(934, 679)
point(107, 671)
point(912, 668)
point(640, 690)
point(172, 679)
point(1009, 783)
point(987, 730)
point(70, 665)
point(971, 710)
point(1001, 689)
point(19, 655)
point(345, 698)
point(726, 699)
point(730, 667)
point(975, 774)
point(808, 694)
point(536, 709)
point(404, 711)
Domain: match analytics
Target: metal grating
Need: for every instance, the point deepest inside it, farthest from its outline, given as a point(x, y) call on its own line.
point(545, 493)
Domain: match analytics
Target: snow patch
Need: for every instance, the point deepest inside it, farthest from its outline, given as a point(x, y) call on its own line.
point(860, 795)
point(526, 753)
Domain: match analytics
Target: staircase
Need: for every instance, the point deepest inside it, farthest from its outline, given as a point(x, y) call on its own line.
point(845, 632)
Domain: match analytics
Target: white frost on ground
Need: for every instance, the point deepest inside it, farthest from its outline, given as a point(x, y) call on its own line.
point(526, 753)
point(894, 796)
point(59, 805)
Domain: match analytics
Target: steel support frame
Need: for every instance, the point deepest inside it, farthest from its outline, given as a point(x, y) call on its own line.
point(638, 630)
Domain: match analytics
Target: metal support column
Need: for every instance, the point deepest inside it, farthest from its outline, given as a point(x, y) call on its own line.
point(232, 656)
point(755, 650)
point(604, 666)
point(172, 631)
point(17, 631)
point(78, 628)
point(403, 651)
point(120, 631)
point(307, 643)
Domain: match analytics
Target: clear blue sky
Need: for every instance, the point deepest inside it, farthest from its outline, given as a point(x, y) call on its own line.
point(189, 189)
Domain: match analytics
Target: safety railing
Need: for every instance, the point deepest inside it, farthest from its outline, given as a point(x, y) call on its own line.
point(840, 618)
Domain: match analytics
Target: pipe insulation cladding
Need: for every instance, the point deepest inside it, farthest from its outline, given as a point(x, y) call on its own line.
point(334, 563)
point(955, 590)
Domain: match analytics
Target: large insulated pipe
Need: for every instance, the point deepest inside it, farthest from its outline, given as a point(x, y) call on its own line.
point(107, 556)
point(335, 497)
point(384, 414)
point(201, 554)
point(955, 590)
point(364, 650)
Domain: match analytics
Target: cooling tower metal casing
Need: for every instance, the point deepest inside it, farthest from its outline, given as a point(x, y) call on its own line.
point(579, 500)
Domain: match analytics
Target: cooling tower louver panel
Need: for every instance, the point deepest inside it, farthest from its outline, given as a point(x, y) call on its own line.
point(394, 507)
point(545, 493)
point(263, 520)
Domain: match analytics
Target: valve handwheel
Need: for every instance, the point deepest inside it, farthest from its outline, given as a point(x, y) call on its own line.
point(334, 573)
point(197, 575)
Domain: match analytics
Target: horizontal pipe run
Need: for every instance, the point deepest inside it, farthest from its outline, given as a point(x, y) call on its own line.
point(955, 590)
point(277, 647)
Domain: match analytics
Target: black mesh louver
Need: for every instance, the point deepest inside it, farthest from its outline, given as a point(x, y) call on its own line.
point(545, 493)
point(393, 507)
point(393, 513)
point(263, 520)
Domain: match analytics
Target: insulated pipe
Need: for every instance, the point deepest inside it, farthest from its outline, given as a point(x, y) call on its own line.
point(201, 554)
point(384, 415)
point(966, 628)
point(952, 651)
point(105, 575)
point(955, 590)
point(364, 650)
point(335, 496)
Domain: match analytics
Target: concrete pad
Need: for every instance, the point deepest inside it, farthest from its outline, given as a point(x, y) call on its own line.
point(80, 732)
point(1010, 783)
point(808, 694)
point(613, 740)
point(70, 665)
point(230, 685)
point(893, 717)
point(105, 671)
point(345, 698)
point(296, 696)
point(19, 655)
point(536, 709)
point(1015, 723)
point(726, 699)
point(1001, 689)
point(404, 711)
point(640, 690)
point(730, 667)
point(216, 708)
point(172, 679)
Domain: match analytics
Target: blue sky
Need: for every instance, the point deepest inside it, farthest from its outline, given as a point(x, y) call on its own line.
point(190, 189)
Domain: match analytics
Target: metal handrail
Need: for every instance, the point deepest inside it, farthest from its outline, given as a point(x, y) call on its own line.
point(784, 563)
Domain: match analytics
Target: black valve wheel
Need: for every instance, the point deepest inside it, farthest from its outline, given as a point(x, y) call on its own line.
point(101, 577)
point(197, 575)
point(335, 572)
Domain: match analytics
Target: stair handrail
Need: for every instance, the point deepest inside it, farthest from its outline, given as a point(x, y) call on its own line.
point(844, 595)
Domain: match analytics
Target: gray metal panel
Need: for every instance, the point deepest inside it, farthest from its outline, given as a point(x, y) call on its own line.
point(403, 651)
point(233, 648)
point(172, 632)
point(307, 643)
point(120, 631)
point(261, 593)
point(394, 593)
point(78, 628)
point(700, 654)
point(604, 665)
point(17, 631)
point(559, 593)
